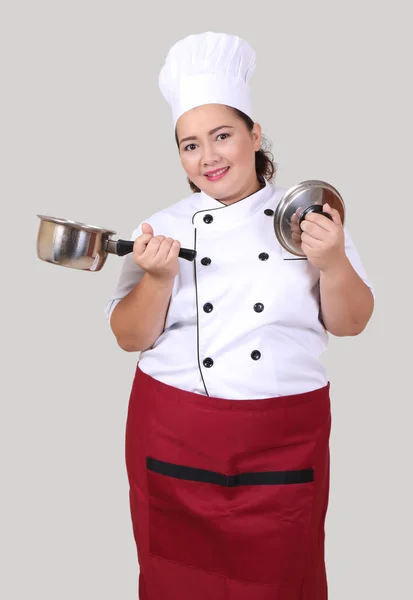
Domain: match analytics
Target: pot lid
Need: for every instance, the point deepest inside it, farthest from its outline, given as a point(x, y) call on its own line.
point(299, 200)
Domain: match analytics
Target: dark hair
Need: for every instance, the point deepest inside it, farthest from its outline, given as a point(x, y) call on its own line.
point(264, 160)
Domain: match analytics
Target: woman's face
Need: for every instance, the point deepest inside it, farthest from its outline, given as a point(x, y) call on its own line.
point(217, 151)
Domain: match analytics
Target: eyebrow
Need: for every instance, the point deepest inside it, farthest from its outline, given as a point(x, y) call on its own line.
point(194, 137)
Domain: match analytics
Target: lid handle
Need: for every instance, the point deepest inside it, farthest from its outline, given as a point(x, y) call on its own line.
point(314, 208)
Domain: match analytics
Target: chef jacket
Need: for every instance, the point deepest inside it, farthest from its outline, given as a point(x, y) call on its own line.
point(244, 318)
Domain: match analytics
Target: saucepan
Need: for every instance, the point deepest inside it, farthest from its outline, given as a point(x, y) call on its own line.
point(80, 246)
point(86, 247)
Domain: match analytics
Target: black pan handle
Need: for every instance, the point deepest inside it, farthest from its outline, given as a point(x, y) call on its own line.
point(126, 247)
point(314, 208)
point(187, 254)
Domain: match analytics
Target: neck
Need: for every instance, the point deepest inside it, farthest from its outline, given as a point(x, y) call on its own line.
point(251, 188)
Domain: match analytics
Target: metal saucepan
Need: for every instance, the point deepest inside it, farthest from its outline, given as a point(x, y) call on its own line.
point(79, 246)
point(300, 200)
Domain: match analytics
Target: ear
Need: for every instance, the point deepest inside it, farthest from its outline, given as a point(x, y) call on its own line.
point(256, 136)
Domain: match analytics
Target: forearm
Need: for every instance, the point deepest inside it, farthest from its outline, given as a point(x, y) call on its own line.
point(139, 318)
point(346, 301)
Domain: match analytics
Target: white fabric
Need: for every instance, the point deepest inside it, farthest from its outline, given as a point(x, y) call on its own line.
point(208, 68)
point(287, 332)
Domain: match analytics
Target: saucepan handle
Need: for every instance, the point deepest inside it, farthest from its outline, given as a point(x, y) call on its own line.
point(314, 208)
point(187, 254)
point(126, 247)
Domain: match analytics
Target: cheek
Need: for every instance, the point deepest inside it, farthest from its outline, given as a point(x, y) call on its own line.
point(240, 154)
point(188, 161)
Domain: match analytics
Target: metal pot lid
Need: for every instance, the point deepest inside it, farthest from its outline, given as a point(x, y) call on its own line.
point(76, 224)
point(307, 196)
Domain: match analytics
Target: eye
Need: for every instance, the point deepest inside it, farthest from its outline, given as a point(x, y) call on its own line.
point(189, 147)
point(223, 135)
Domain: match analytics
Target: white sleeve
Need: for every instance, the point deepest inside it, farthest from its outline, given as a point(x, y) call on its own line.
point(355, 260)
point(129, 276)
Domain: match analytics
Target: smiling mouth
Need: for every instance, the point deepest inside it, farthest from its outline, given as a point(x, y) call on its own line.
point(214, 174)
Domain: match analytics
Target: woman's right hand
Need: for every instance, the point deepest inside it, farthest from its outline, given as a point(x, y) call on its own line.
point(157, 255)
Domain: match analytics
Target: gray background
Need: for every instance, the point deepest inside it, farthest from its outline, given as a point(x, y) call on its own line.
point(86, 135)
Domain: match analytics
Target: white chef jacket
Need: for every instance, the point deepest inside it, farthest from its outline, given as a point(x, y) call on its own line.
point(243, 321)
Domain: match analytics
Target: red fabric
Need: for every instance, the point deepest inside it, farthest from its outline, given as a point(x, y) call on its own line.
point(204, 541)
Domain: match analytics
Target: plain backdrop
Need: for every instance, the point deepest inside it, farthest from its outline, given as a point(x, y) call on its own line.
point(86, 135)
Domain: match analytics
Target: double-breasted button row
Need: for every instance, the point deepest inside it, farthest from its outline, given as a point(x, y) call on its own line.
point(208, 307)
point(206, 261)
point(209, 218)
point(258, 307)
point(208, 362)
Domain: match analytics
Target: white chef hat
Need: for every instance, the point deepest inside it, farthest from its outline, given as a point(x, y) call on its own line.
point(208, 68)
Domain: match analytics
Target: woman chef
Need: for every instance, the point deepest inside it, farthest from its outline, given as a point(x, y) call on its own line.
point(227, 435)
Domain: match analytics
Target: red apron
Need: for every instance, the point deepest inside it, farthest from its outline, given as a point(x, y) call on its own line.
point(228, 498)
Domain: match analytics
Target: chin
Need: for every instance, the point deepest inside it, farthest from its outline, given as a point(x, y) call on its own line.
point(217, 191)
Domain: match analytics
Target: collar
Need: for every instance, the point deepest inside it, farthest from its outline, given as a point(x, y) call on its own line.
point(218, 216)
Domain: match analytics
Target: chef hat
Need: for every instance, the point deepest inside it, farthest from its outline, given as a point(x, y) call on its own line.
point(208, 68)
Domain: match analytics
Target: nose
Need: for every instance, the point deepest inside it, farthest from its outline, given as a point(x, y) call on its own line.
point(210, 156)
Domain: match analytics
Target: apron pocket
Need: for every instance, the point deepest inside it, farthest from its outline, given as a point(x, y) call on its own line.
point(251, 527)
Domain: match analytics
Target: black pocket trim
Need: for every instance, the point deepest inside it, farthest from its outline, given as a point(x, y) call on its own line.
point(295, 258)
point(204, 476)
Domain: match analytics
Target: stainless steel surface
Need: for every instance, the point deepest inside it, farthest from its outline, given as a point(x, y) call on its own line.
point(292, 205)
point(72, 244)
point(80, 246)
point(76, 224)
point(111, 247)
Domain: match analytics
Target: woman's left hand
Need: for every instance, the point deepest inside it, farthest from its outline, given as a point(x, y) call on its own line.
point(322, 240)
